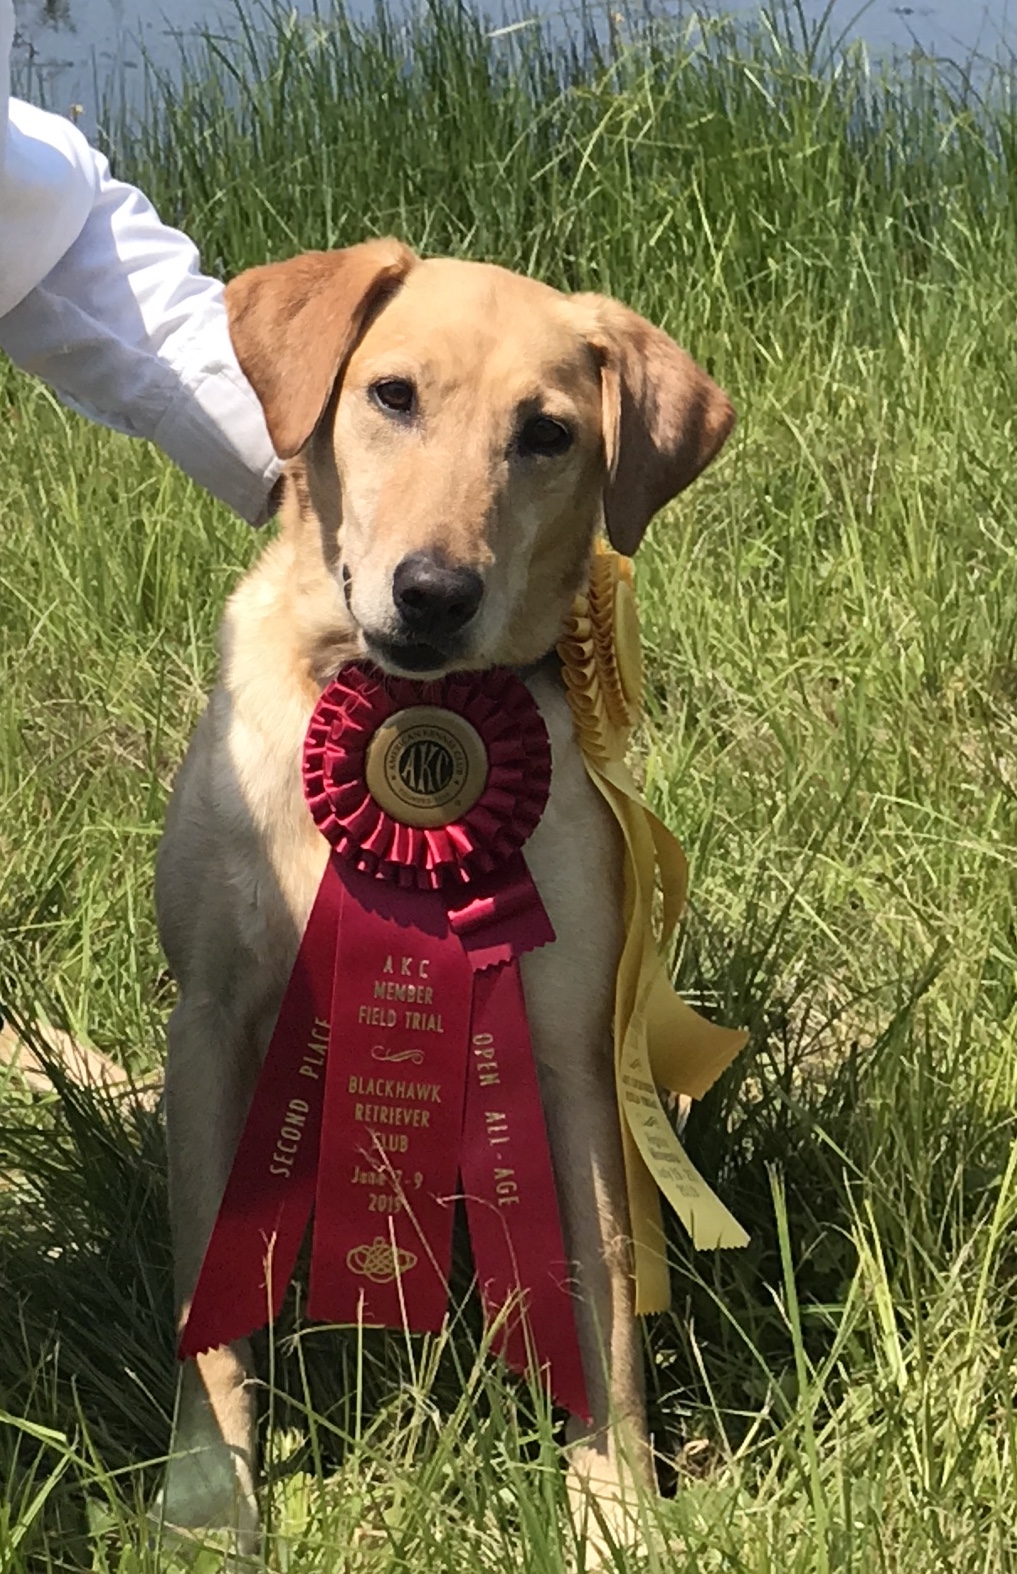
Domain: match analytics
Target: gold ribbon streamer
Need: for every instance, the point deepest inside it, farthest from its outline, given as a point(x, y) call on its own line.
point(660, 1042)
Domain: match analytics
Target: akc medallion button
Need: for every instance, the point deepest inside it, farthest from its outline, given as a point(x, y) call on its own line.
point(426, 766)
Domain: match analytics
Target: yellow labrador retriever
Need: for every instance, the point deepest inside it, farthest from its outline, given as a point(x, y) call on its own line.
point(456, 435)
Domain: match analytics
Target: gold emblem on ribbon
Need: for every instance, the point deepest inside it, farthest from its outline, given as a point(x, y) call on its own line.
point(381, 1261)
point(426, 766)
point(660, 1042)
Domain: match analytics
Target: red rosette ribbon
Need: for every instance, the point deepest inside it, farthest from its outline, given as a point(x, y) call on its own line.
point(401, 1062)
point(500, 708)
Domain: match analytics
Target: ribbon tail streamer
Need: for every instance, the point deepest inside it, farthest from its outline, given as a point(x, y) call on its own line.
point(659, 1041)
point(511, 1197)
point(270, 1191)
point(382, 1246)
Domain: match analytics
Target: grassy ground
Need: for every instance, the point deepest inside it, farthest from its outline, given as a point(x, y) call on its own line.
point(830, 621)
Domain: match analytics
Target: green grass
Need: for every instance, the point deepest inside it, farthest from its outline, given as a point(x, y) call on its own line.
point(830, 624)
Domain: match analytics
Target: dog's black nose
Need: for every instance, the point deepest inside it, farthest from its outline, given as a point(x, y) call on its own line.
point(434, 600)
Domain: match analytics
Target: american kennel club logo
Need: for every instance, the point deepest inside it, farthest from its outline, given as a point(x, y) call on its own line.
point(426, 766)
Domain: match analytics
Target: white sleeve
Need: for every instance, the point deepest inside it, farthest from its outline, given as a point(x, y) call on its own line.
point(110, 307)
point(47, 183)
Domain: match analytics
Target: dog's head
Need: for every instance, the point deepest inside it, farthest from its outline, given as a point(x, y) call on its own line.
point(462, 431)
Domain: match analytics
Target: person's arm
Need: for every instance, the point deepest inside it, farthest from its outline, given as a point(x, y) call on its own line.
point(110, 307)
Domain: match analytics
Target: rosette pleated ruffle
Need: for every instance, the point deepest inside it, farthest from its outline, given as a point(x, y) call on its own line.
point(352, 708)
point(602, 660)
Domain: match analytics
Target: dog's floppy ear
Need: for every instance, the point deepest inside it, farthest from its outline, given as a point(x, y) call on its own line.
point(294, 325)
point(664, 419)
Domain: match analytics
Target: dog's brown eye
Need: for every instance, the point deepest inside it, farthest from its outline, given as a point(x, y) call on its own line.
point(542, 435)
point(394, 393)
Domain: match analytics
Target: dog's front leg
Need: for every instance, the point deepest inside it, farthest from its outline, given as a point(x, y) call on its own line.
point(575, 857)
point(609, 1461)
point(210, 1074)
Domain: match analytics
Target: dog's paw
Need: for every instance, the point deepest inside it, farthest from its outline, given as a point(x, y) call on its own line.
point(189, 1548)
point(208, 1491)
point(610, 1508)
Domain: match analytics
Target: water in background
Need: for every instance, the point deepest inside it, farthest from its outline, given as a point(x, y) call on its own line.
point(66, 51)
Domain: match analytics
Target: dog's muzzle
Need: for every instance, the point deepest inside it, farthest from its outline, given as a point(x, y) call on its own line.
point(434, 603)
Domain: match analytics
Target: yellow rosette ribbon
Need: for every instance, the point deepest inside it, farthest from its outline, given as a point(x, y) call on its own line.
point(659, 1041)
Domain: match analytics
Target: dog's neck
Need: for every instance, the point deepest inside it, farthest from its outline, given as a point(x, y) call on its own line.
point(288, 617)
